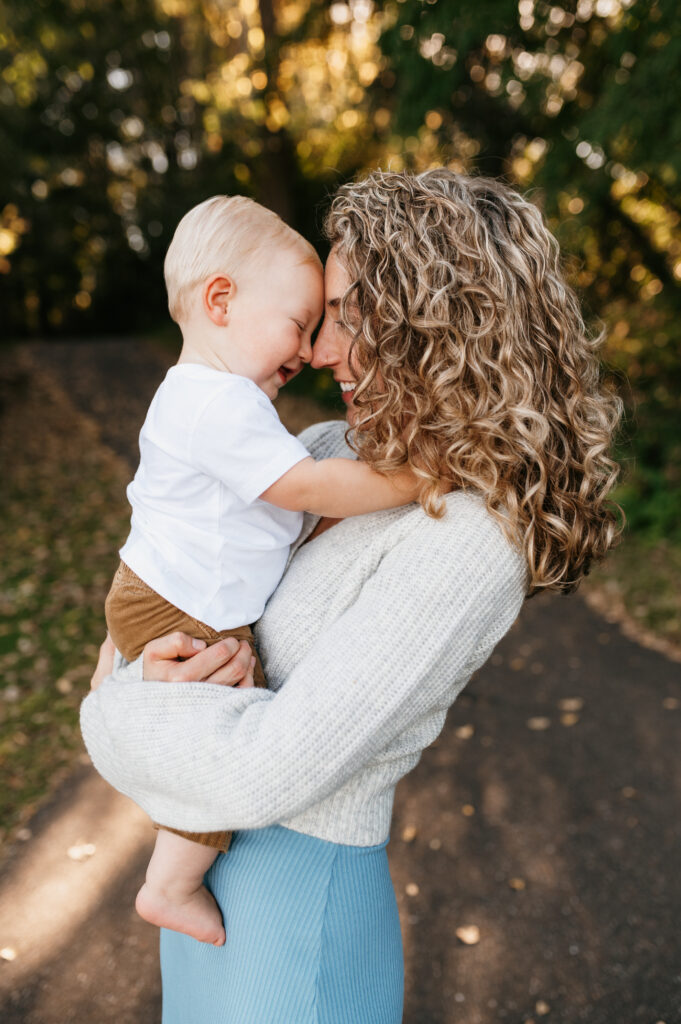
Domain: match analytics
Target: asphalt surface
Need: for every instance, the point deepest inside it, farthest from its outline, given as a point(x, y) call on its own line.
point(547, 816)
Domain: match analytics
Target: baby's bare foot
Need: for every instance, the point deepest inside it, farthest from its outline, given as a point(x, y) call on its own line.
point(196, 914)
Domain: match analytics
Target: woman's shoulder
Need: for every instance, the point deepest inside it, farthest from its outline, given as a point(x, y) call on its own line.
point(467, 526)
point(327, 440)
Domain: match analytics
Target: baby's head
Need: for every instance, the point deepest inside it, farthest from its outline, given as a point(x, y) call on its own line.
point(245, 288)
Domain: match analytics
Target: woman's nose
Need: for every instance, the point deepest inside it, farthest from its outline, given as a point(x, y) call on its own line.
point(324, 352)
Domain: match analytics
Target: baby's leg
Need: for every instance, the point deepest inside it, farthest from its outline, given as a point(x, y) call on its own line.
point(174, 895)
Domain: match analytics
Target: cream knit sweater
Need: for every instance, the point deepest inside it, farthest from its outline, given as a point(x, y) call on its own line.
point(374, 629)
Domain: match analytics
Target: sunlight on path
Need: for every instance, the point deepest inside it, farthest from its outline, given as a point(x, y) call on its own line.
point(65, 874)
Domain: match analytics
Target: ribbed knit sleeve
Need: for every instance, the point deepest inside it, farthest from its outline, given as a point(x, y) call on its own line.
point(200, 756)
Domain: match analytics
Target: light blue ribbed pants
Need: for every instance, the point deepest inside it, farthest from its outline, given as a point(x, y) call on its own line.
point(313, 937)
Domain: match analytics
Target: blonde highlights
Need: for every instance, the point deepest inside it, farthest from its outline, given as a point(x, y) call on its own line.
point(473, 361)
point(224, 235)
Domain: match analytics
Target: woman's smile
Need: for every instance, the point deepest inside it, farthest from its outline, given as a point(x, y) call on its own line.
point(347, 390)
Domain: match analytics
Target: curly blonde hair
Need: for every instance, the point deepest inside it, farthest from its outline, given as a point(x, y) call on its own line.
point(473, 362)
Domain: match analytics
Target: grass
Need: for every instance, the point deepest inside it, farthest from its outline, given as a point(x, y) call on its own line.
point(639, 585)
point(63, 515)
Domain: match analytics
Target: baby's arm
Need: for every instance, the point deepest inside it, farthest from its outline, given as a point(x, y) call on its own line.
point(340, 488)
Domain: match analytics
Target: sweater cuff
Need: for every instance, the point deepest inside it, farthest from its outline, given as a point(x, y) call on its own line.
point(128, 671)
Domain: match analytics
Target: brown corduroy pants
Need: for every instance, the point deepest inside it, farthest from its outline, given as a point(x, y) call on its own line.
point(136, 614)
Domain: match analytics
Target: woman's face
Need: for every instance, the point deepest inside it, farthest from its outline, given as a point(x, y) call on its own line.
point(332, 347)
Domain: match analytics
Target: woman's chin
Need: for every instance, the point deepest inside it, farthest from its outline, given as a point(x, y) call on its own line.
point(351, 414)
point(350, 407)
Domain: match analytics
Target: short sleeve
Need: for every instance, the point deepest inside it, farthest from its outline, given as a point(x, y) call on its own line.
point(239, 439)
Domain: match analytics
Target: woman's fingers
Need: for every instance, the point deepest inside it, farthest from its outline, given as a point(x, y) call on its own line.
point(225, 662)
point(245, 681)
point(235, 671)
point(104, 663)
point(161, 657)
point(174, 645)
point(248, 678)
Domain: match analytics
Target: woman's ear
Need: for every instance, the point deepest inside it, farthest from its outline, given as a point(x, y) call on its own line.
point(218, 293)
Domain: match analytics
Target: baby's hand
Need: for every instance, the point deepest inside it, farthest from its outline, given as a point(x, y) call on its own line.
point(104, 664)
point(179, 658)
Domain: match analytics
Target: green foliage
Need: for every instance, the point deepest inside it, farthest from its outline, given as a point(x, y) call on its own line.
point(79, 83)
point(108, 134)
point(643, 354)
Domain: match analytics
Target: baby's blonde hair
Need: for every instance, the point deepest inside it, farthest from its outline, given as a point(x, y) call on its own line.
point(224, 234)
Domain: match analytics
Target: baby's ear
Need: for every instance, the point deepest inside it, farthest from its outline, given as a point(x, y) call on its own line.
point(218, 293)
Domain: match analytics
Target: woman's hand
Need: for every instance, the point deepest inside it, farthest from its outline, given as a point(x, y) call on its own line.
point(228, 663)
point(179, 658)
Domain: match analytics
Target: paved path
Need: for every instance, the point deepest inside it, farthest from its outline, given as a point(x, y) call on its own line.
point(547, 815)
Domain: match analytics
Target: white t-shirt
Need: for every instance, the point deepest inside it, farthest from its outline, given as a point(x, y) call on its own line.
point(200, 537)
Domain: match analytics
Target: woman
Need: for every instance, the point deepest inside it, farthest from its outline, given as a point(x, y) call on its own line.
point(459, 350)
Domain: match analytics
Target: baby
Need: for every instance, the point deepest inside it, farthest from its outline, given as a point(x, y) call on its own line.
point(221, 486)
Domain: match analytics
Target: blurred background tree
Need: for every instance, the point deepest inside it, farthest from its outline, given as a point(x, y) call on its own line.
point(119, 116)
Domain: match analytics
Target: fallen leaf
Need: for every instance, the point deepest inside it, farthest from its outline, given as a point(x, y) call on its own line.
point(411, 889)
point(538, 723)
point(671, 703)
point(469, 934)
point(464, 732)
point(468, 810)
point(628, 791)
point(517, 883)
point(571, 704)
point(569, 719)
point(541, 1008)
point(435, 843)
point(81, 851)
point(409, 833)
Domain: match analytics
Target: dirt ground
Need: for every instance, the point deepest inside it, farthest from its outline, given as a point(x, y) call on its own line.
point(534, 849)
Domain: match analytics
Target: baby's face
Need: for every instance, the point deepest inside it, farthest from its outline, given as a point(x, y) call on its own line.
point(271, 320)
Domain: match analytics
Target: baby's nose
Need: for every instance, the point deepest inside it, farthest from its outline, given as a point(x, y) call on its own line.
point(305, 351)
